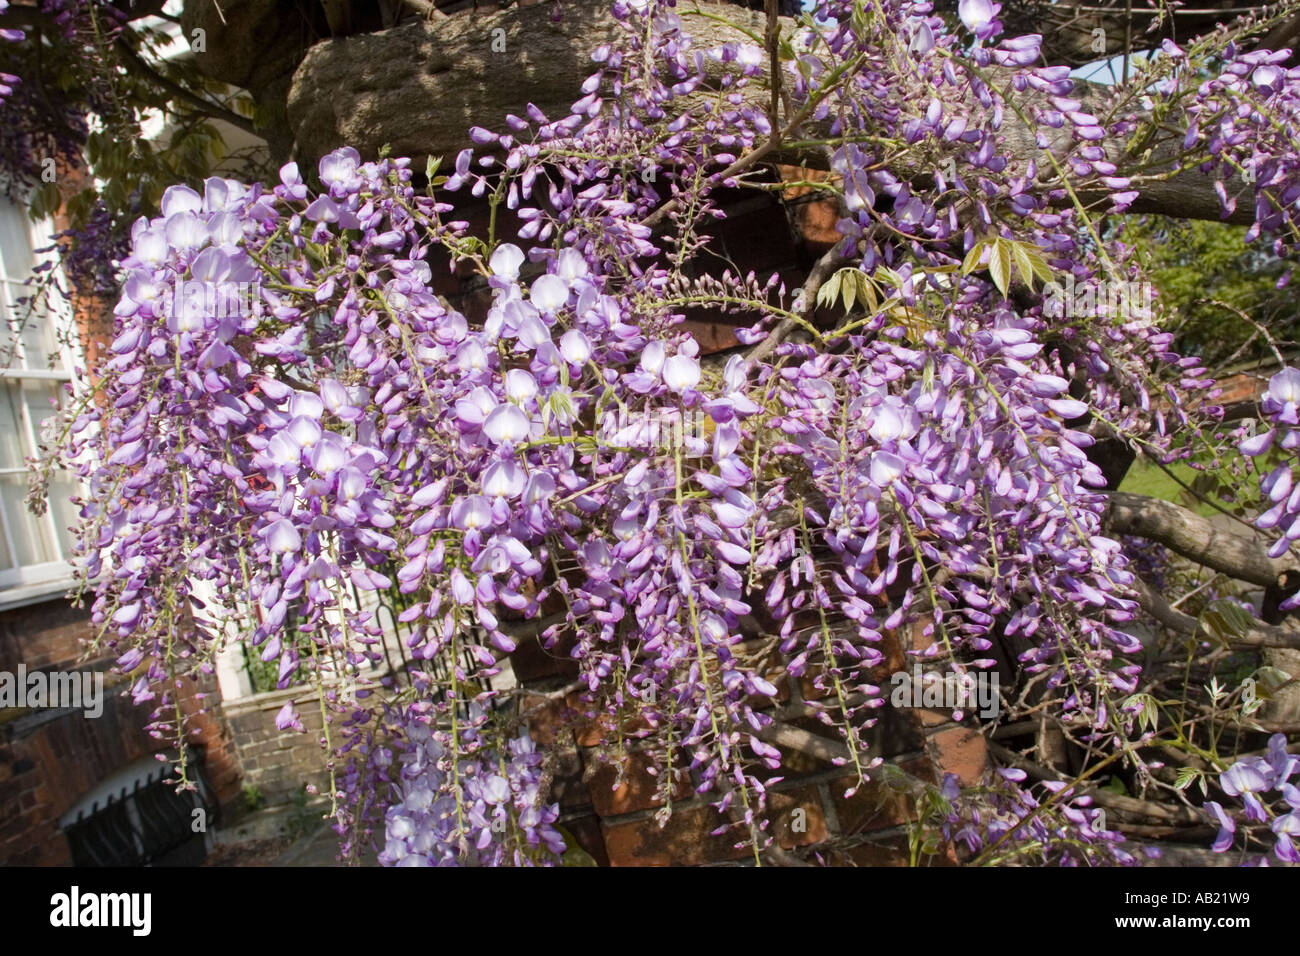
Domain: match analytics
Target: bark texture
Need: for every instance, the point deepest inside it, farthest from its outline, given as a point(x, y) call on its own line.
point(1240, 557)
point(1195, 538)
point(419, 86)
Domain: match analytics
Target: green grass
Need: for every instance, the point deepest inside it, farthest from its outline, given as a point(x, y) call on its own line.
point(1146, 478)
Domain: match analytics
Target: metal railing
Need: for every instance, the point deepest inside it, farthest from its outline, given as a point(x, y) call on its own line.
point(149, 823)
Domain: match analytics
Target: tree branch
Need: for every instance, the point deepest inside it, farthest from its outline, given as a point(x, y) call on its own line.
point(1259, 635)
point(425, 9)
point(821, 271)
point(771, 38)
point(138, 66)
point(350, 89)
point(792, 738)
point(1195, 538)
point(1112, 801)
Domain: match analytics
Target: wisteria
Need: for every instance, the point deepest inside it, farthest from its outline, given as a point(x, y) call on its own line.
point(1259, 783)
point(291, 414)
point(41, 128)
point(1056, 827)
point(489, 811)
point(1280, 406)
point(7, 80)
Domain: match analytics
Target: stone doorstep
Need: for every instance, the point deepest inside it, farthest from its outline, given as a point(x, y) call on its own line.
point(269, 823)
point(320, 848)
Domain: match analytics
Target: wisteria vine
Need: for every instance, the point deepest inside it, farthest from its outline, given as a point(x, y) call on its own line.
point(292, 413)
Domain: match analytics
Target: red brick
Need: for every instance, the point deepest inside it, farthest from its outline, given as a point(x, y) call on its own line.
point(874, 806)
point(589, 731)
point(532, 662)
point(712, 336)
point(815, 219)
point(636, 791)
point(811, 824)
point(547, 720)
point(686, 840)
point(962, 751)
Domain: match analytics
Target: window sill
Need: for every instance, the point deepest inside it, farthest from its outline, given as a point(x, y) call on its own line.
point(23, 595)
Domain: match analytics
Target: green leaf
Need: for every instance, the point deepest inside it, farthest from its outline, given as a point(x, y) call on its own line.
point(868, 293)
point(1023, 267)
point(1040, 266)
point(1116, 785)
point(853, 284)
point(574, 854)
point(1030, 263)
point(1215, 690)
point(850, 288)
point(972, 260)
point(1148, 710)
point(431, 167)
point(46, 201)
point(1223, 620)
point(830, 290)
point(1000, 266)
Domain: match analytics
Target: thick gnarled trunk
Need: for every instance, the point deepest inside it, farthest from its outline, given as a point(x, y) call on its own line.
point(418, 88)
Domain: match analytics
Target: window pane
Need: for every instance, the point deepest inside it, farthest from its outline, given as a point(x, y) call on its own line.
point(12, 440)
point(15, 242)
point(66, 515)
point(31, 535)
point(16, 261)
point(40, 351)
point(10, 332)
point(43, 400)
point(27, 340)
point(6, 559)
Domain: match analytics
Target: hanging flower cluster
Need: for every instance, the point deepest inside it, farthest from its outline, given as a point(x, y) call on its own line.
point(499, 817)
point(1244, 116)
point(39, 126)
point(1280, 405)
point(1003, 820)
point(7, 80)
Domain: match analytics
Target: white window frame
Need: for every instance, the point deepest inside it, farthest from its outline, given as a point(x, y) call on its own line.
point(28, 584)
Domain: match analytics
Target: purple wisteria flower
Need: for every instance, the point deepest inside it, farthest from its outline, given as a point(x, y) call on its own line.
point(570, 459)
point(1254, 780)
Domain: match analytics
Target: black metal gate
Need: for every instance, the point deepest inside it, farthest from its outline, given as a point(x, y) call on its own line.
point(146, 824)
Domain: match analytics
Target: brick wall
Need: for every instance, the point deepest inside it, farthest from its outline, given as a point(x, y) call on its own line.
point(279, 763)
point(1245, 387)
point(612, 814)
point(50, 758)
